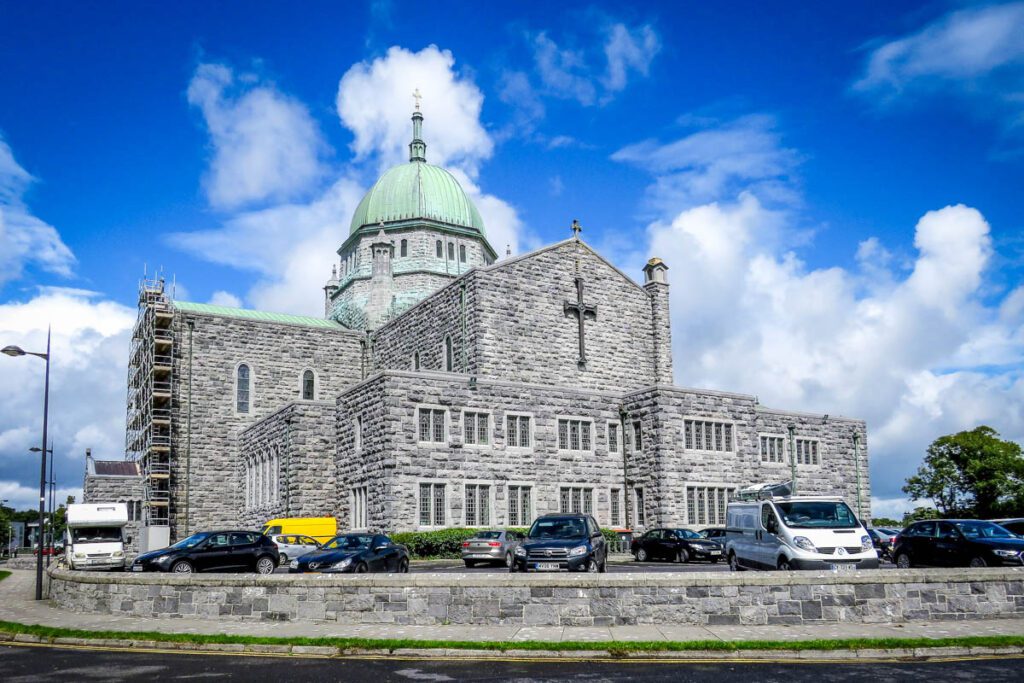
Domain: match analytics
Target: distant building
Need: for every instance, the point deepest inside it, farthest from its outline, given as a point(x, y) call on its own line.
point(117, 481)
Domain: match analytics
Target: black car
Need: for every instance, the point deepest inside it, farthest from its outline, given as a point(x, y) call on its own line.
point(957, 543)
point(212, 551)
point(354, 554)
point(1013, 524)
point(557, 542)
point(675, 545)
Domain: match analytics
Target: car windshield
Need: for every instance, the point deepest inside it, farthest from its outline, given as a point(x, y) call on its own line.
point(559, 528)
point(94, 534)
point(983, 530)
point(686, 533)
point(348, 542)
point(817, 514)
point(191, 541)
point(488, 535)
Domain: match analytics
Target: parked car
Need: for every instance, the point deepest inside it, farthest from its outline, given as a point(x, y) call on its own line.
point(675, 545)
point(556, 542)
point(957, 543)
point(1014, 524)
point(211, 551)
point(495, 546)
point(291, 546)
point(715, 533)
point(883, 540)
point(796, 532)
point(355, 554)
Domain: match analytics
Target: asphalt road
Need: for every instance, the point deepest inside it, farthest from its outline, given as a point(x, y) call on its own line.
point(23, 664)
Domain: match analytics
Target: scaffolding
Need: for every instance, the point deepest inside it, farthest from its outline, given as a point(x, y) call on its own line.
point(148, 438)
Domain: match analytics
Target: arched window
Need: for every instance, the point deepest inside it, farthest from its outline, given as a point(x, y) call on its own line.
point(449, 357)
point(308, 385)
point(451, 251)
point(462, 253)
point(416, 361)
point(440, 249)
point(242, 389)
point(405, 248)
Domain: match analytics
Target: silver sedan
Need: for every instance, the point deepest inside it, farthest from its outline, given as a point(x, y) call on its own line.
point(292, 546)
point(494, 546)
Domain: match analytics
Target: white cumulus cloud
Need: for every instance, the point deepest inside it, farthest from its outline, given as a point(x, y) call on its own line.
point(265, 145)
point(25, 239)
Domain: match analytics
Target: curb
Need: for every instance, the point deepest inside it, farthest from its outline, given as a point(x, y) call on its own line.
point(896, 654)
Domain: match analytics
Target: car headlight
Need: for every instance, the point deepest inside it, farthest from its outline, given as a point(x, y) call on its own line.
point(1006, 553)
point(294, 564)
point(162, 559)
point(578, 550)
point(79, 556)
point(865, 544)
point(804, 543)
point(342, 564)
point(520, 551)
point(117, 553)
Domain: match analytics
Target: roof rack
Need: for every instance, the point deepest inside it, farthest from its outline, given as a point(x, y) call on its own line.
point(766, 491)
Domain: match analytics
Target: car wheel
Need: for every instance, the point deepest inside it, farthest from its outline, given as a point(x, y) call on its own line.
point(683, 557)
point(508, 559)
point(784, 565)
point(403, 566)
point(593, 566)
point(734, 563)
point(903, 561)
point(361, 568)
point(182, 567)
point(641, 555)
point(470, 564)
point(978, 562)
point(284, 559)
point(265, 565)
point(604, 565)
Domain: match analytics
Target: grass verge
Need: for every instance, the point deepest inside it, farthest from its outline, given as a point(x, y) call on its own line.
point(613, 647)
point(4, 575)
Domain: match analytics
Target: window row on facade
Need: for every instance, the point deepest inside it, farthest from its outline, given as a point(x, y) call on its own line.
point(245, 386)
point(773, 450)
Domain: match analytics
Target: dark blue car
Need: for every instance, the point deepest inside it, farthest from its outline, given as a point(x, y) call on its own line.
point(354, 554)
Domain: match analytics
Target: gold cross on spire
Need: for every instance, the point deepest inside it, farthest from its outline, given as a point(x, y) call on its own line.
point(417, 96)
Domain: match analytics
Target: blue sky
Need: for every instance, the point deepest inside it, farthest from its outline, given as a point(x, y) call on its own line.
point(836, 188)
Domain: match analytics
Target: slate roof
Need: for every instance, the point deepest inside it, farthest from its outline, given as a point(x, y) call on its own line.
point(116, 468)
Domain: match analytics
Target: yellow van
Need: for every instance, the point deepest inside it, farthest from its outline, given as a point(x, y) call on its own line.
point(322, 529)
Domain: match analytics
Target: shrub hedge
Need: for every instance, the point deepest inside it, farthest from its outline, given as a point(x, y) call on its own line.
point(447, 543)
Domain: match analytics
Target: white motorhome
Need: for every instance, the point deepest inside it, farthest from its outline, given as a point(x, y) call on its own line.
point(95, 535)
point(768, 528)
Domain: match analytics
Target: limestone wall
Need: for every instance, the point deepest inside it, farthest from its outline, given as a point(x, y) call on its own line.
point(891, 596)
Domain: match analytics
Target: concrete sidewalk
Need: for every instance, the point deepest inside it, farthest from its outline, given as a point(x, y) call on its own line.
point(17, 605)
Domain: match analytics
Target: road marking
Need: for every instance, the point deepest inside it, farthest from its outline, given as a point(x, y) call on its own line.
point(507, 658)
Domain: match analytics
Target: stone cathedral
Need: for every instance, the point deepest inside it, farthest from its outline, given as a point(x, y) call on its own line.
point(444, 387)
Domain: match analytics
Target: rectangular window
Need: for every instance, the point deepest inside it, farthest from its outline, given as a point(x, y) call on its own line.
point(478, 504)
point(638, 496)
point(772, 448)
point(576, 500)
point(807, 452)
point(358, 433)
point(574, 435)
point(638, 443)
point(519, 505)
point(707, 504)
point(708, 435)
point(462, 253)
point(616, 507)
point(431, 425)
point(517, 431)
point(432, 505)
point(701, 509)
point(359, 507)
point(475, 428)
point(613, 437)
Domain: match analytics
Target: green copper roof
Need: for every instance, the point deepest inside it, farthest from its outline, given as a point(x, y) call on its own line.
point(417, 190)
point(247, 314)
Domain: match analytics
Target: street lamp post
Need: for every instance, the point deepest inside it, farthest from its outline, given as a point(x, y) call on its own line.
point(17, 351)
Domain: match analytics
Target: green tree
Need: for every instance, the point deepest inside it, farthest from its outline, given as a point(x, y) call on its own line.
point(918, 514)
point(971, 473)
point(884, 522)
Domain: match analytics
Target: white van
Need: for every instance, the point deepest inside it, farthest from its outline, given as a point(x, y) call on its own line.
point(94, 538)
point(772, 531)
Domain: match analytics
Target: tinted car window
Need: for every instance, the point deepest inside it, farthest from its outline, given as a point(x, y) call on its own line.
point(558, 527)
point(242, 539)
point(306, 540)
point(380, 540)
point(488, 534)
point(946, 530)
point(925, 529)
point(218, 540)
point(982, 530)
point(349, 542)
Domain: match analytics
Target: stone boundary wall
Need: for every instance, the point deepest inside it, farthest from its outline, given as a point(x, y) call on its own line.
point(890, 596)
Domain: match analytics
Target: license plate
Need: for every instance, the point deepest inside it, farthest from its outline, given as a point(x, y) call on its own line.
point(844, 567)
point(715, 552)
point(136, 568)
point(547, 566)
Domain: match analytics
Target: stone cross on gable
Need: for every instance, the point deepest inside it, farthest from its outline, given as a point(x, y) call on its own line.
point(581, 311)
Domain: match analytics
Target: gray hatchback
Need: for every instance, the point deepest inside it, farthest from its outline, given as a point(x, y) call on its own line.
point(293, 546)
point(496, 547)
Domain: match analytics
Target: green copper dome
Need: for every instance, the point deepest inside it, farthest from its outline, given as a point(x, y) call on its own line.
point(417, 191)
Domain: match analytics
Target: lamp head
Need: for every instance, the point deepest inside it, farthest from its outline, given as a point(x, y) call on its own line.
point(13, 351)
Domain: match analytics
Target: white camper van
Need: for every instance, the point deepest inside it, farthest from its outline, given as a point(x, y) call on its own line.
point(94, 538)
point(767, 528)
